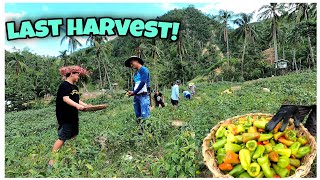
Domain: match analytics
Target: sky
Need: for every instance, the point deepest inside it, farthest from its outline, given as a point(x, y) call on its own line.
point(51, 46)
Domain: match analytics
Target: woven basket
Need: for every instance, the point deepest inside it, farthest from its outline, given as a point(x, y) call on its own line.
point(211, 163)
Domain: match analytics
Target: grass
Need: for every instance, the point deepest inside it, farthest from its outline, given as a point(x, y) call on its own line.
point(108, 138)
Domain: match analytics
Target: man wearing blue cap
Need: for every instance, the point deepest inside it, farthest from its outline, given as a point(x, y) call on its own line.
point(141, 101)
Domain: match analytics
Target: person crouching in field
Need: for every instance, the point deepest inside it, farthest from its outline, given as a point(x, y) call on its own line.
point(158, 99)
point(186, 94)
point(68, 104)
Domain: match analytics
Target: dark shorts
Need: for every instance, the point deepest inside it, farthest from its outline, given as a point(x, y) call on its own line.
point(160, 103)
point(67, 131)
point(174, 102)
point(188, 96)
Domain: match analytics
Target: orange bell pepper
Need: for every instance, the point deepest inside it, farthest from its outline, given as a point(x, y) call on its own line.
point(231, 158)
point(225, 167)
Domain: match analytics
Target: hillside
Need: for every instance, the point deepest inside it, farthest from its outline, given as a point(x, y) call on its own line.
point(108, 144)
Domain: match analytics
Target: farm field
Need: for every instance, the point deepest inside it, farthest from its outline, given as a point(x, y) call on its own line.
point(109, 145)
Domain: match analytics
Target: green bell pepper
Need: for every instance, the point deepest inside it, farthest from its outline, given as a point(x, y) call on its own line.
point(260, 175)
point(264, 137)
point(282, 172)
point(231, 138)
point(220, 158)
point(245, 175)
point(283, 152)
point(220, 132)
point(302, 151)
point(295, 147)
point(292, 170)
point(221, 151)
point(236, 171)
point(251, 145)
point(278, 146)
point(283, 161)
point(245, 158)
point(303, 140)
point(239, 138)
point(219, 144)
point(254, 169)
point(265, 166)
point(290, 135)
point(260, 124)
point(268, 148)
point(232, 147)
point(294, 162)
point(258, 152)
point(240, 129)
point(273, 143)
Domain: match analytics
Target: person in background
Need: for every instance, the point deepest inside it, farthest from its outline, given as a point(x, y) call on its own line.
point(158, 99)
point(186, 94)
point(175, 95)
point(192, 88)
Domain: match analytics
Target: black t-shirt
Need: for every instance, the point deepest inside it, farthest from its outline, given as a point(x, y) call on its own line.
point(64, 112)
point(158, 98)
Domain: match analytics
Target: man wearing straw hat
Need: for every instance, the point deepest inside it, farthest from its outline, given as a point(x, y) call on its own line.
point(141, 101)
point(68, 104)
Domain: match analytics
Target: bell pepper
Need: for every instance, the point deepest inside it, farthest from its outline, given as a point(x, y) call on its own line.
point(294, 162)
point(231, 138)
point(219, 144)
point(260, 124)
point(264, 163)
point(292, 170)
point(283, 152)
point(232, 147)
point(265, 142)
point(245, 175)
point(220, 132)
point(221, 151)
point(268, 148)
point(283, 161)
point(285, 141)
point(249, 122)
point(245, 158)
point(220, 158)
point(277, 135)
point(232, 128)
point(264, 137)
point(252, 129)
point(290, 135)
point(273, 172)
point(260, 175)
point(273, 156)
point(240, 129)
point(236, 171)
point(254, 169)
point(239, 138)
point(282, 172)
point(278, 146)
point(272, 142)
point(302, 151)
point(288, 167)
point(261, 130)
point(225, 167)
point(251, 145)
point(226, 132)
point(303, 140)
point(232, 158)
point(295, 147)
point(258, 152)
point(250, 136)
point(242, 120)
point(276, 176)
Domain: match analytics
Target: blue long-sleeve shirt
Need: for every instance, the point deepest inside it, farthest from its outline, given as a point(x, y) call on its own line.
point(141, 80)
point(175, 92)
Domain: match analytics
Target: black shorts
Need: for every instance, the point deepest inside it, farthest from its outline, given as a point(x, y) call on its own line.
point(160, 103)
point(174, 102)
point(188, 96)
point(67, 131)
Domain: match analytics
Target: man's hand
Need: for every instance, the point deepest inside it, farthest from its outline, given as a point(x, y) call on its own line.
point(298, 113)
point(80, 107)
point(130, 93)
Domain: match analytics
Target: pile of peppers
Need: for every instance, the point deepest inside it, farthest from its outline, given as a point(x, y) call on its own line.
point(243, 149)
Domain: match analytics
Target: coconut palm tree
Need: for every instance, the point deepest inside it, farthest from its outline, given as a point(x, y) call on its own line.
point(244, 31)
point(73, 43)
point(273, 11)
point(224, 17)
